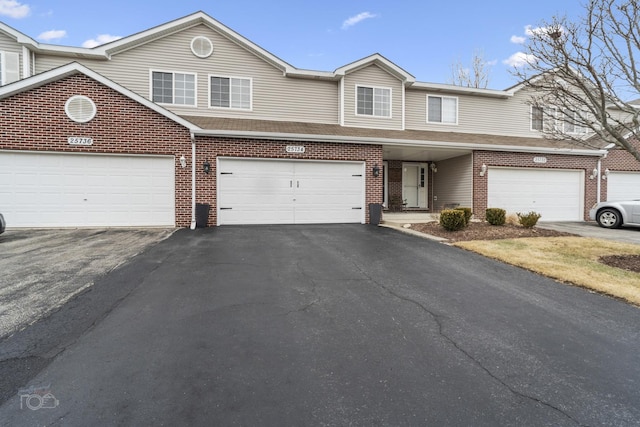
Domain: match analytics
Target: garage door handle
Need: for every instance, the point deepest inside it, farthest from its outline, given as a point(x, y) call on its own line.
point(225, 209)
point(357, 175)
point(359, 207)
point(226, 173)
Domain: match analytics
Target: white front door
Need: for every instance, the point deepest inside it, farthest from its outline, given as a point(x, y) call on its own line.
point(414, 185)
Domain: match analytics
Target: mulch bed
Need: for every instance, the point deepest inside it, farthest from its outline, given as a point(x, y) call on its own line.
point(486, 231)
point(625, 262)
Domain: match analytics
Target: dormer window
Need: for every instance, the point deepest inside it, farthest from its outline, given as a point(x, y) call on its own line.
point(373, 101)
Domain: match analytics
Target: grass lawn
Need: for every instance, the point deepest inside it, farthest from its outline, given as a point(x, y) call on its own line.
point(567, 259)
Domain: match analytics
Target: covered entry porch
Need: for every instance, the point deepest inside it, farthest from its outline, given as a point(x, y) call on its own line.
point(419, 179)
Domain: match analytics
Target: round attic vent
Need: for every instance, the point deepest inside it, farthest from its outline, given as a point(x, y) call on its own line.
point(80, 109)
point(201, 47)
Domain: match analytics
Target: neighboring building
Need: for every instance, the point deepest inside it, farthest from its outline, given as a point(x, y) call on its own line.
point(138, 131)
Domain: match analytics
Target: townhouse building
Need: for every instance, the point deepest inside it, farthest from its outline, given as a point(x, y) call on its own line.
point(142, 130)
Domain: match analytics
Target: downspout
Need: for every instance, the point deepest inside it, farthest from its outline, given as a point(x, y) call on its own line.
point(193, 181)
point(598, 177)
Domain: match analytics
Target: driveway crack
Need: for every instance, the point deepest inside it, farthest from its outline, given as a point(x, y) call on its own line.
point(438, 320)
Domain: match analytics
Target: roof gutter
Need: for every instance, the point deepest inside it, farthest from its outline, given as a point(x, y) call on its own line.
point(395, 142)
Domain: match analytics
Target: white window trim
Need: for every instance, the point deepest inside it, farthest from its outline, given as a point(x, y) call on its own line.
point(374, 116)
point(195, 87)
point(4, 72)
point(442, 97)
point(584, 128)
point(230, 108)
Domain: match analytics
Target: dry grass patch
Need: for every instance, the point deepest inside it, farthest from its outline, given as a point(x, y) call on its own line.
point(567, 259)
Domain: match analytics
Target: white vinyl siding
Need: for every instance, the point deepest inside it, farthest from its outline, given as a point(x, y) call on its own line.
point(442, 109)
point(476, 114)
point(9, 67)
point(173, 88)
point(373, 101)
point(274, 97)
point(453, 183)
point(230, 92)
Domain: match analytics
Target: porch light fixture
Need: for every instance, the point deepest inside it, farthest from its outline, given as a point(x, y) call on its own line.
point(594, 173)
point(605, 174)
point(483, 169)
point(433, 167)
point(183, 162)
point(206, 167)
point(376, 170)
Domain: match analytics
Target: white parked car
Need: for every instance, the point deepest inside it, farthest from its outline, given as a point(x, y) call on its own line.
point(616, 214)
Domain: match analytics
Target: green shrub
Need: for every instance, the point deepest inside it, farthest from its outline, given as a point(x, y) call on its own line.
point(467, 214)
point(528, 220)
point(452, 220)
point(496, 216)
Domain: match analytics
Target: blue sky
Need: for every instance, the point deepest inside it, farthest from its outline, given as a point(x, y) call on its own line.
point(423, 37)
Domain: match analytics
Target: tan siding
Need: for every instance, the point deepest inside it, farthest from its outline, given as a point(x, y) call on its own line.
point(476, 114)
point(372, 76)
point(453, 183)
point(275, 97)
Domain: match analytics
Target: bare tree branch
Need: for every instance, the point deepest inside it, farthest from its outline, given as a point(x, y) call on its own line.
point(588, 72)
point(476, 76)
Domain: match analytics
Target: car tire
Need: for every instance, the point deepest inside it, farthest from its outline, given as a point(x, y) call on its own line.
point(609, 218)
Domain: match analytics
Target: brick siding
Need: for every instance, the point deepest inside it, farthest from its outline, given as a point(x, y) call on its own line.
point(524, 160)
point(210, 148)
point(35, 120)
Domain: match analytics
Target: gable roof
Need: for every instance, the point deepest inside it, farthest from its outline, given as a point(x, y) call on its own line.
point(380, 61)
point(76, 68)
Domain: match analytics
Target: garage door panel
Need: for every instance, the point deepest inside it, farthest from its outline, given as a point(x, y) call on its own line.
point(556, 194)
point(288, 192)
point(623, 186)
point(58, 190)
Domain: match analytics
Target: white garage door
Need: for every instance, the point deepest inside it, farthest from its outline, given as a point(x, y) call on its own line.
point(258, 191)
point(558, 195)
point(623, 185)
point(85, 190)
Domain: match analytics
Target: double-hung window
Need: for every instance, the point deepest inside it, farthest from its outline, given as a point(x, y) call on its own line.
point(572, 123)
point(230, 92)
point(9, 67)
point(173, 88)
point(373, 101)
point(442, 109)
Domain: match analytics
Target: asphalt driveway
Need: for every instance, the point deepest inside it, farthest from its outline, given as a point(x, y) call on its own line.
point(336, 325)
point(40, 270)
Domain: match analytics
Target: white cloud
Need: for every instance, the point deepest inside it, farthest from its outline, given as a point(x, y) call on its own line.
point(101, 39)
point(520, 59)
point(13, 9)
point(492, 62)
point(518, 39)
point(357, 19)
point(52, 35)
